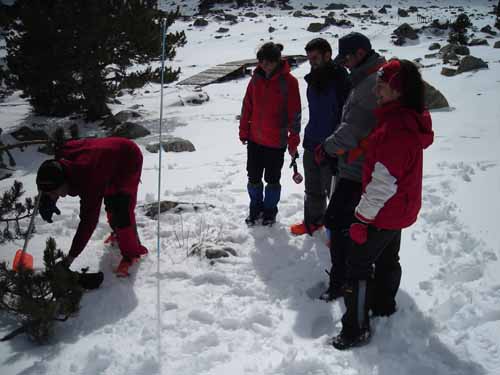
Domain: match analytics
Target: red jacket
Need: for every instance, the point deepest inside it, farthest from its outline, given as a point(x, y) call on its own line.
point(94, 168)
point(271, 110)
point(392, 172)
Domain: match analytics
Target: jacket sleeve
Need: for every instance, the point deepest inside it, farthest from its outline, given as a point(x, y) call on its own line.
point(294, 114)
point(357, 122)
point(390, 161)
point(89, 217)
point(246, 112)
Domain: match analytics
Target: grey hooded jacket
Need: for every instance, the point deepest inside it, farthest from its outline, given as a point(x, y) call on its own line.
point(357, 117)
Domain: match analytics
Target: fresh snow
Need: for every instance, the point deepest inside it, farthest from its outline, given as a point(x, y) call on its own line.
point(256, 313)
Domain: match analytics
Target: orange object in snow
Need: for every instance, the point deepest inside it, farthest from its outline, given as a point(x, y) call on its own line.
point(22, 260)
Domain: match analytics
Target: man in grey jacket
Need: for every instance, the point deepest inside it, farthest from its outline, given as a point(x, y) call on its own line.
point(356, 54)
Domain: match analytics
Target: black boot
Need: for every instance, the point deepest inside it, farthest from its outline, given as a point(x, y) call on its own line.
point(355, 322)
point(344, 342)
point(335, 289)
point(269, 217)
point(332, 293)
point(253, 217)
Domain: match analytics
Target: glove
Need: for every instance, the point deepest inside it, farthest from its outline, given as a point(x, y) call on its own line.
point(358, 231)
point(333, 161)
point(292, 150)
point(243, 141)
point(319, 154)
point(47, 208)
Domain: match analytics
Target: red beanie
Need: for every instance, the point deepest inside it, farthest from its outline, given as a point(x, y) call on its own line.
point(390, 73)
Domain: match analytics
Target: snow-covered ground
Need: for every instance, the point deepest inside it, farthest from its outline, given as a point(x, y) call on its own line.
point(256, 313)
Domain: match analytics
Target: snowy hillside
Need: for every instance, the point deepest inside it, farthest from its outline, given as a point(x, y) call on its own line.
point(256, 313)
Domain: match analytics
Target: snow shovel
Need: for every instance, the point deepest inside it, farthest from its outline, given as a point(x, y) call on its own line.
point(22, 258)
point(297, 177)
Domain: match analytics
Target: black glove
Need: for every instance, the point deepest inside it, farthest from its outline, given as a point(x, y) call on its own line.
point(333, 162)
point(47, 208)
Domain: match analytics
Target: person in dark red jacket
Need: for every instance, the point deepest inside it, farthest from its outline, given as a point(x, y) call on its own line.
point(106, 169)
point(391, 199)
point(269, 123)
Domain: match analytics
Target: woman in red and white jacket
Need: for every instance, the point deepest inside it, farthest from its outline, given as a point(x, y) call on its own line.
point(391, 199)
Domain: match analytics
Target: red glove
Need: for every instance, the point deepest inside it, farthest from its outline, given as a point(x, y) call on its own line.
point(359, 229)
point(292, 151)
point(319, 154)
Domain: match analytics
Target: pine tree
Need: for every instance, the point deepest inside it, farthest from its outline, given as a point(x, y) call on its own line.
point(72, 56)
point(12, 211)
point(39, 299)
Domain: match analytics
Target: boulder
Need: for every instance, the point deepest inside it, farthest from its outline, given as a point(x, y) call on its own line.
point(316, 27)
point(123, 116)
point(222, 30)
point(479, 42)
point(334, 6)
point(151, 209)
point(470, 63)
point(271, 29)
point(448, 72)
point(340, 23)
point(195, 98)
point(434, 99)
point(199, 22)
point(129, 130)
point(489, 30)
point(219, 252)
point(402, 13)
point(406, 31)
point(174, 144)
point(434, 46)
point(25, 134)
point(383, 10)
point(251, 15)
point(497, 44)
point(449, 57)
point(310, 7)
point(462, 50)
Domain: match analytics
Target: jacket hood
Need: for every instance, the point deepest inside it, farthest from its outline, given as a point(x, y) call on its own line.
point(422, 124)
point(283, 68)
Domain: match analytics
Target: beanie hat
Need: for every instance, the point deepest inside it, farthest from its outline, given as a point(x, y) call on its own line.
point(50, 176)
point(390, 73)
point(350, 43)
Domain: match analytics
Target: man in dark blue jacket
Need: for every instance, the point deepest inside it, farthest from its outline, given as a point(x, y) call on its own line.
point(327, 90)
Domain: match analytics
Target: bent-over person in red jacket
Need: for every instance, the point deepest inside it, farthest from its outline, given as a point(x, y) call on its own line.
point(390, 201)
point(269, 123)
point(106, 169)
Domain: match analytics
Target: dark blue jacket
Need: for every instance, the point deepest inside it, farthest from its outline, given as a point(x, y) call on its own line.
point(327, 90)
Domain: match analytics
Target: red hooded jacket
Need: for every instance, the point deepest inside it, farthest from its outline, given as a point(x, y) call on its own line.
point(95, 168)
point(392, 173)
point(271, 111)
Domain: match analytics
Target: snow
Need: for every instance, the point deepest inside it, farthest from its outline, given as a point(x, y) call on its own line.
point(255, 313)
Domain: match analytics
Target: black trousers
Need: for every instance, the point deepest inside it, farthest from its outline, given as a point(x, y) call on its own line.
point(373, 275)
point(338, 218)
point(264, 161)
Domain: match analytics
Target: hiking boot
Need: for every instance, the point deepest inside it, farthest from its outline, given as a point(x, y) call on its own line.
point(344, 342)
point(252, 218)
point(332, 293)
point(269, 218)
point(123, 268)
point(303, 228)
